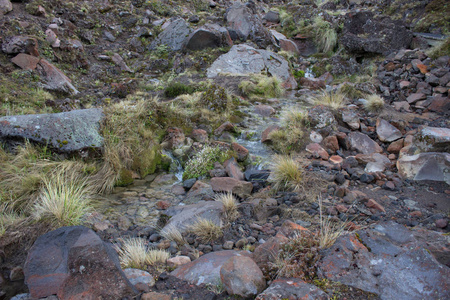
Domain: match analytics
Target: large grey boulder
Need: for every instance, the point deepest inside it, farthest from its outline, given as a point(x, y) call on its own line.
point(67, 132)
point(432, 139)
point(425, 166)
point(208, 36)
point(386, 260)
point(173, 35)
point(365, 34)
point(184, 216)
point(243, 20)
point(74, 263)
point(244, 59)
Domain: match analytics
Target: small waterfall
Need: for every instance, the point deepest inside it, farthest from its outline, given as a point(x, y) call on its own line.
point(175, 166)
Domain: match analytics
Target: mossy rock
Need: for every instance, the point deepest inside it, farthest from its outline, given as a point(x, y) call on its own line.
point(147, 161)
point(126, 178)
point(215, 98)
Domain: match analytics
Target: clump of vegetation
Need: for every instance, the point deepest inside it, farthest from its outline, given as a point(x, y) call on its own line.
point(286, 173)
point(329, 231)
point(175, 89)
point(297, 258)
point(260, 86)
point(173, 234)
point(324, 35)
point(206, 230)
point(374, 103)
point(64, 199)
point(441, 49)
point(135, 254)
point(332, 99)
point(230, 205)
point(291, 136)
point(215, 98)
point(203, 162)
point(298, 74)
point(8, 217)
point(350, 91)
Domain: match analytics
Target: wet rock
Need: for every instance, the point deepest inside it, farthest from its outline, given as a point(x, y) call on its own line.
point(366, 34)
point(225, 127)
point(386, 132)
point(242, 189)
point(53, 78)
point(233, 169)
point(265, 136)
point(5, 7)
point(241, 276)
point(394, 253)
point(362, 143)
point(246, 23)
point(20, 44)
point(264, 110)
point(292, 288)
point(172, 36)
point(425, 166)
point(184, 216)
point(74, 262)
point(244, 59)
point(141, 280)
point(206, 269)
point(241, 151)
point(67, 132)
point(208, 36)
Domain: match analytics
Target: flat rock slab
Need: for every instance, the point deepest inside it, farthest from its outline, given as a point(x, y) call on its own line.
point(206, 269)
point(67, 132)
point(73, 263)
point(386, 260)
point(244, 59)
point(425, 166)
point(184, 216)
point(292, 288)
point(362, 143)
point(387, 132)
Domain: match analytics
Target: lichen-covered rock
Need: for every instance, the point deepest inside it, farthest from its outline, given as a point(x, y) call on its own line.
point(290, 288)
point(425, 166)
point(208, 36)
point(173, 36)
point(66, 132)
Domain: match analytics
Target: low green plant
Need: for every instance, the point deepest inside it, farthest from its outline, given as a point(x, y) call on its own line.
point(439, 50)
point(260, 86)
point(175, 89)
point(298, 74)
point(215, 98)
point(203, 162)
point(286, 173)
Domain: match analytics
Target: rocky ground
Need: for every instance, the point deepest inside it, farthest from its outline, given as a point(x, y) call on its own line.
point(377, 174)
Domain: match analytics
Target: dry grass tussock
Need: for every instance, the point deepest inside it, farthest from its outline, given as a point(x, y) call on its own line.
point(206, 230)
point(135, 254)
point(332, 99)
point(8, 217)
point(260, 86)
point(173, 234)
point(230, 204)
point(374, 103)
point(286, 174)
point(329, 231)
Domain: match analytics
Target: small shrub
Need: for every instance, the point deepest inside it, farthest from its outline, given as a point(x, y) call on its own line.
point(374, 103)
point(175, 89)
point(332, 99)
point(286, 173)
point(298, 74)
point(133, 253)
point(203, 162)
point(206, 230)
point(215, 98)
point(64, 200)
point(262, 86)
point(230, 205)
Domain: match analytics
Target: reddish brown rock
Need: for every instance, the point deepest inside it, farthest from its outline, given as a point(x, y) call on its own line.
point(413, 98)
point(241, 151)
point(336, 159)
point(161, 204)
point(265, 134)
point(289, 227)
point(267, 252)
point(395, 147)
point(264, 110)
point(441, 223)
point(242, 189)
point(331, 143)
point(312, 83)
point(25, 61)
point(20, 44)
point(199, 135)
point(175, 137)
point(241, 276)
point(233, 170)
point(375, 205)
point(227, 126)
point(317, 151)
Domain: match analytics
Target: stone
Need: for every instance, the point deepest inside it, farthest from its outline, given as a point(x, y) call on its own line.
point(377, 163)
point(413, 98)
point(184, 216)
point(241, 151)
point(375, 205)
point(240, 275)
point(315, 137)
point(395, 147)
point(173, 36)
point(16, 273)
point(362, 143)
point(141, 280)
point(402, 106)
point(20, 44)
point(264, 110)
point(317, 151)
point(246, 23)
point(321, 117)
point(206, 269)
point(267, 252)
point(52, 38)
point(394, 254)
point(199, 135)
point(74, 262)
point(175, 138)
point(233, 169)
point(272, 17)
point(53, 78)
point(284, 43)
point(386, 132)
point(433, 139)
point(5, 7)
point(208, 36)
point(292, 288)
point(198, 192)
point(265, 135)
point(66, 132)
point(336, 159)
point(244, 59)
point(441, 223)
point(118, 60)
point(351, 117)
point(256, 175)
point(331, 143)
point(425, 166)
point(175, 262)
point(365, 33)
point(242, 189)
point(312, 83)
point(155, 296)
point(225, 127)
